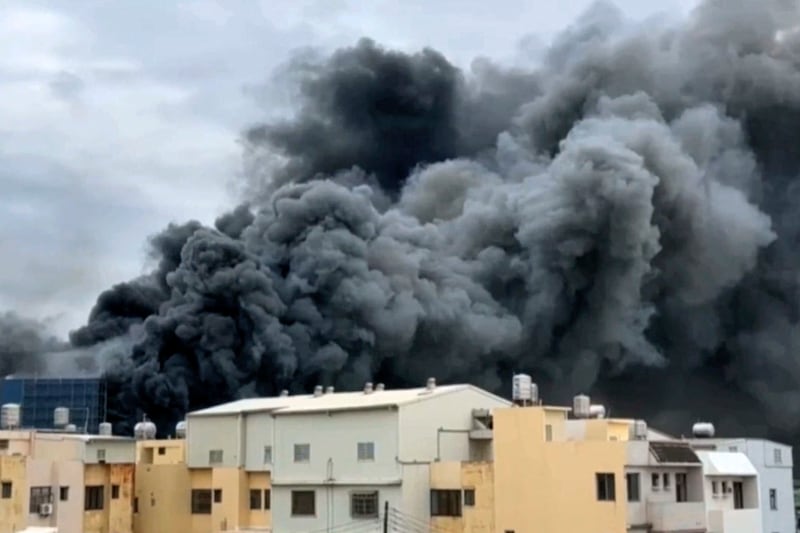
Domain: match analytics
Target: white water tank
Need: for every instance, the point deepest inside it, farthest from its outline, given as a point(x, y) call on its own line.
point(284, 393)
point(149, 429)
point(10, 416)
point(521, 388)
point(639, 430)
point(597, 411)
point(138, 431)
point(318, 390)
point(534, 393)
point(380, 387)
point(105, 429)
point(581, 406)
point(71, 428)
point(431, 384)
point(368, 387)
point(703, 430)
point(329, 389)
point(180, 429)
point(60, 417)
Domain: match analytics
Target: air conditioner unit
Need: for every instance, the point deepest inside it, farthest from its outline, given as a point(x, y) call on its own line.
point(45, 509)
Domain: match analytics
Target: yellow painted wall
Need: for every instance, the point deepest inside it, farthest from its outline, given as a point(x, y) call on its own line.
point(260, 481)
point(97, 521)
point(120, 515)
point(13, 511)
point(478, 476)
point(163, 499)
point(233, 510)
point(200, 478)
point(550, 487)
point(556, 419)
point(161, 452)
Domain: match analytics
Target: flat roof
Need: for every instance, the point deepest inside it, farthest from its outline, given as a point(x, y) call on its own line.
point(338, 401)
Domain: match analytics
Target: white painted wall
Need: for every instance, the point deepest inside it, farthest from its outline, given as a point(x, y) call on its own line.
point(116, 451)
point(214, 432)
point(334, 438)
point(332, 508)
point(258, 432)
point(68, 515)
point(741, 521)
point(777, 476)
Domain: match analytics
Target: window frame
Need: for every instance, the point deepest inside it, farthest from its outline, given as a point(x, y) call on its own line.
point(446, 502)
point(773, 499)
point(468, 498)
point(6, 489)
point(368, 497)
point(94, 497)
point(606, 486)
point(39, 495)
point(198, 501)
point(256, 504)
point(63, 493)
point(295, 503)
point(115, 492)
point(217, 495)
point(368, 447)
point(297, 455)
point(633, 496)
point(267, 499)
point(267, 454)
point(216, 456)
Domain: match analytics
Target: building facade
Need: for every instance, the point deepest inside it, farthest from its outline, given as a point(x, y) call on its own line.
point(39, 397)
point(75, 483)
point(331, 459)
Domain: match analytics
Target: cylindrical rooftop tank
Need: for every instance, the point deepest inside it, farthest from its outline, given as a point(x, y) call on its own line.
point(639, 430)
point(104, 428)
point(10, 416)
point(60, 417)
point(521, 388)
point(597, 411)
point(703, 430)
point(581, 405)
point(430, 384)
point(149, 429)
point(534, 393)
point(180, 429)
point(380, 386)
point(71, 428)
point(318, 390)
point(138, 431)
point(284, 393)
point(368, 387)
point(329, 389)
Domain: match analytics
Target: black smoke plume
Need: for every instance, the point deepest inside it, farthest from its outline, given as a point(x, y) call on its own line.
point(622, 220)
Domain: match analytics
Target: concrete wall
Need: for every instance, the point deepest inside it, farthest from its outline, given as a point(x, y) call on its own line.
point(477, 518)
point(161, 452)
point(163, 498)
point(14, 510)
point(334, 439)
point(69, 512)
point(332, 507)
point(258, 433)
point(551, 486)
point(215, 432)
point(259, 517)
point(773, 476)
point(114, 451)
point(199, 479)
point(96, 521)
point(120, 511)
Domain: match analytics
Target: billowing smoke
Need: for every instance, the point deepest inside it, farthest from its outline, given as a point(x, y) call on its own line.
point(622, 220)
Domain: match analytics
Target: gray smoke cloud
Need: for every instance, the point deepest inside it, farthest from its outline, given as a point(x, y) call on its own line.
point(620, 220)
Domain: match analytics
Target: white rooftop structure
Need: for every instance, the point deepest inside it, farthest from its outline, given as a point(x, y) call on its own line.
point(727, 464)
point(337, 401)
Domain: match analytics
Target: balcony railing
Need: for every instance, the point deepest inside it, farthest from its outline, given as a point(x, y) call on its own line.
point(677, 516)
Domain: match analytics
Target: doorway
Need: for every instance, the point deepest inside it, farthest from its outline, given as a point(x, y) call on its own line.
point(738, 495)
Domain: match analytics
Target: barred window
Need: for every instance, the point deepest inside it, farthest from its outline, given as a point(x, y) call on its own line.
point(445, 502)
point(93, 498)
point(40, 495)
point(303, 503)
point(302, 453)
point(255, 499)
point(366, 451)
point(606, 491)
point(215, 456)
point(201, 501)
point(364, 504)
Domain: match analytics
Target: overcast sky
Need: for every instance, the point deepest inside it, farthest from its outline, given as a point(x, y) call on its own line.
point(116, 120)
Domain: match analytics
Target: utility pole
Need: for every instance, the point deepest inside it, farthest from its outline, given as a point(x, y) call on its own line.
point(386, 516)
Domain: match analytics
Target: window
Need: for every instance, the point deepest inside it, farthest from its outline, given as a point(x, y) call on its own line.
point(665, 484)
point(255, 499)
point(135, 504)
point(93, 498)
point(114, 492)
point(469, 497)
point(63, 494)
point(101, 455)
point(162, 450)
point(217, 495)
point(201, 501)
point(773, 499)
point(777, 456)
point(3, 444)
point(654, 479)
point(6, 490)
point(267, 499)
point(302, 453)
point(267, 455)
point(681, 488)
point(605, 487)
point(548, 432)
point(632, 484)
point(714, 488)
point(303, 503)
point(364, 504)
point(39, 495)
point(445, 502)
point(215, 456)
point(724, 487)
point(366, 451)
